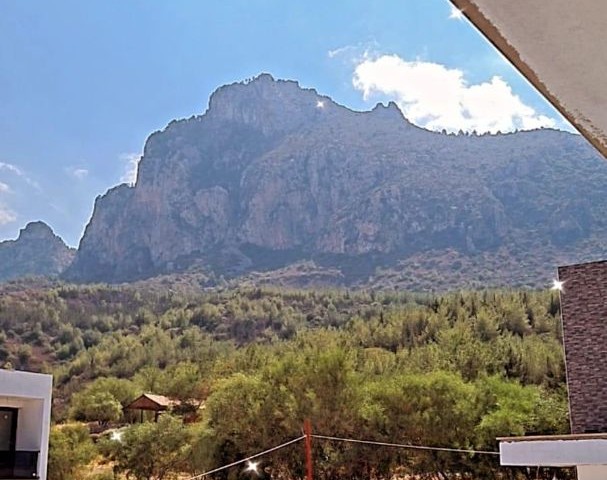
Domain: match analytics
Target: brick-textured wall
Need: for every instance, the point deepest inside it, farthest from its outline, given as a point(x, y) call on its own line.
point(584, 316)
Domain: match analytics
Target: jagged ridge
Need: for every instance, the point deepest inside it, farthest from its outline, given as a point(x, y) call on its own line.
point(273, 174)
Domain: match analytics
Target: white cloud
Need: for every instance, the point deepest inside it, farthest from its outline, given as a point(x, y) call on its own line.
point(6, 215)
point(130, 170)
point(345, 50)
point(9, 167)
point(79, 173)
point(338, 51)
point(436, 97)
point(456, 13)
point(354, 53)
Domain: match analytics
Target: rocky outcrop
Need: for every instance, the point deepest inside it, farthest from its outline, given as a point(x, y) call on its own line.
point(272, 174)
point(36, 252)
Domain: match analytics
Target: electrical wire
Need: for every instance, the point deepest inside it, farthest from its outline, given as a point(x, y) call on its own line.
point(251, 457)
point(399, 445)
point(341, 439)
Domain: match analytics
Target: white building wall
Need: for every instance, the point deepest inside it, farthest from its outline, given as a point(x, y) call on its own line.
point(30, 426)
point(592, 472)
point(31, 394)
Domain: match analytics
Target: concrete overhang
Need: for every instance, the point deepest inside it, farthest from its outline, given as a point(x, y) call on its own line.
point(560, 47)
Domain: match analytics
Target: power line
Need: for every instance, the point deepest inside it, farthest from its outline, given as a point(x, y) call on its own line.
point(399, 445)
point(341, 439)
point(251, 457)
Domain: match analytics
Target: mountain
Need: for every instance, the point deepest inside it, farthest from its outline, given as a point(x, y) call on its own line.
point(275, 180)
point(36, 252)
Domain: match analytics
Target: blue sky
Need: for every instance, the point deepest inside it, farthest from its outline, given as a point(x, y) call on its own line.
point(83, 83)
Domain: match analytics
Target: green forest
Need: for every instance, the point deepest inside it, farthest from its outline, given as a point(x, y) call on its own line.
point(248, 365)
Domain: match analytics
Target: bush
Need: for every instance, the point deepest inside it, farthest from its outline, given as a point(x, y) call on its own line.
point(70, 449)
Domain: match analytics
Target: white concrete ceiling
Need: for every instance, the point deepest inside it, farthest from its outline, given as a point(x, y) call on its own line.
point(560, 46)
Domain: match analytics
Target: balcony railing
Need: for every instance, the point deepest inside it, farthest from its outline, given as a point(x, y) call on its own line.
point(18, 464)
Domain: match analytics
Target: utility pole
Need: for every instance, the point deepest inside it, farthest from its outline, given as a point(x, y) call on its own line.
point(308, 443)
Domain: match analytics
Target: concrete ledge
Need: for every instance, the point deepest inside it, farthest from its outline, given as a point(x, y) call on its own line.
point(554, 451)
point(540, 438)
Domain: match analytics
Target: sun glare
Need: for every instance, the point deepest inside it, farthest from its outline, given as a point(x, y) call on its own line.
point(557, 285)
point(456, 13)
point(252, 467)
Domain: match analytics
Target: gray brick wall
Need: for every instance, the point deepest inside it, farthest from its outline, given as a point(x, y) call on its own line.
point(584, 317)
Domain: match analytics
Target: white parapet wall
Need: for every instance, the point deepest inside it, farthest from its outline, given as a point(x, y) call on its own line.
point(30, 394)
point(587, 452)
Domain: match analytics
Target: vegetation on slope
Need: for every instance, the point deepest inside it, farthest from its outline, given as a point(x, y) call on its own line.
point(455, 370)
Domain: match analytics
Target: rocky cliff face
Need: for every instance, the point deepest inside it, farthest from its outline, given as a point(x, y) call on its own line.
point(37, 251)
point(274, 174)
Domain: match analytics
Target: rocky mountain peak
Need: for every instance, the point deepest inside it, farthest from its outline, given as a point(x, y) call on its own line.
point(389, 111)
point(272, 106)
point(37, 251)
point(36, 231)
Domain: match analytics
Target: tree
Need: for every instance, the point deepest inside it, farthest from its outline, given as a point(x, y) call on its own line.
point(250, 412)
point(70, 449)
point(183, 381)
point(509, 410)
point(438, 409)
point(103, 400)
point(152, 451)
point(100, 407)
